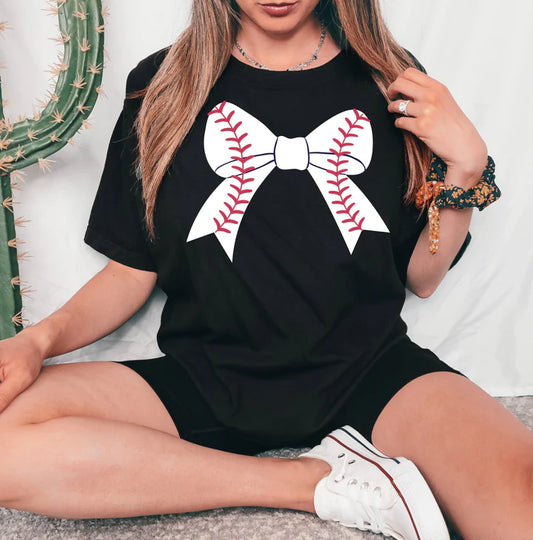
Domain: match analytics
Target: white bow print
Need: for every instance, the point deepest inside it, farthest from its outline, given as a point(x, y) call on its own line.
point(243, 151)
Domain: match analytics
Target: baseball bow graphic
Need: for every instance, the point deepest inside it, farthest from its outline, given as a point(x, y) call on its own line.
point(244, 151)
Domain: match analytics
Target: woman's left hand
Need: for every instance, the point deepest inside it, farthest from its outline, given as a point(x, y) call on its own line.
point(436, 119)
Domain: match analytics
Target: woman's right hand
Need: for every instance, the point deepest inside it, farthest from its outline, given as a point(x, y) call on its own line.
point(104, 303)
point(20, 364)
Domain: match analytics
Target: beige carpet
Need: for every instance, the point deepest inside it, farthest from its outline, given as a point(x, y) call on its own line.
point(243, 523)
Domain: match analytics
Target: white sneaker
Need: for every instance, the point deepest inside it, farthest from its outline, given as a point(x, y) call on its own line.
point(374, 492)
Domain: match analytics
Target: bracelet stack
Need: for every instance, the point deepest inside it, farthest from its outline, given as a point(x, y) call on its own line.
point(435, 194)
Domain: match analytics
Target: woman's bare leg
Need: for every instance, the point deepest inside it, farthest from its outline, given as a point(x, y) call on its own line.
point(476, 456)
point(81, 467)
point(77, 452)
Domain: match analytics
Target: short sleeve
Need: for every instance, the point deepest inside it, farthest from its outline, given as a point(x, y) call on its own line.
point(116, 227)
point(411, 225)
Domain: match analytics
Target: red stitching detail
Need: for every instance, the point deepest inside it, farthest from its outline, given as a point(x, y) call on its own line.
point(342, 151)
point(242, 169)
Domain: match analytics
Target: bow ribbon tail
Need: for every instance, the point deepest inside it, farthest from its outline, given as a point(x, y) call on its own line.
point(352, 211)
point(223, 210)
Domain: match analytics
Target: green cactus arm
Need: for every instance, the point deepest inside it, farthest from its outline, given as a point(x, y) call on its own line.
point(10, 299)
point(76, 91)
point(27, 142)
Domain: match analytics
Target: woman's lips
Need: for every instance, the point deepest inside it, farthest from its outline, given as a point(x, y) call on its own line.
point(278, 9)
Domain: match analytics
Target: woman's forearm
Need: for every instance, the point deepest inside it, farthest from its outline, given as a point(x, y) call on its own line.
point(103, 304)
point(427, 270)
point(437, 120)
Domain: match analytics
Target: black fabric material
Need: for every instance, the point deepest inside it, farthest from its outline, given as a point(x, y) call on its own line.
point(116, 225)
point(275, 337)
point(195, 422)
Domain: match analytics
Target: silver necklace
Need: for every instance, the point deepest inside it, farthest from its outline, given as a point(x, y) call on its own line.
point(299, 66)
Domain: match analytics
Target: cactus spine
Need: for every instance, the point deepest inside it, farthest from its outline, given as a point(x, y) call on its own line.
point(32, 140)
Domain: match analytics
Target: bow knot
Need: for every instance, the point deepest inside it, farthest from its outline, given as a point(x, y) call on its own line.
point(291, 153)
point(243, 151)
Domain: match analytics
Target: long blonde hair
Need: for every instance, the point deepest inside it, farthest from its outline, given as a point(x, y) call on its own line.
point(181, 85)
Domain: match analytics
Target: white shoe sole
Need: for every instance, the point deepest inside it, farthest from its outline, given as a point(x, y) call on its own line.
point(426, 517)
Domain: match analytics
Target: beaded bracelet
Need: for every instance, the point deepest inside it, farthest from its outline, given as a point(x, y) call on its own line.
point(439, 195)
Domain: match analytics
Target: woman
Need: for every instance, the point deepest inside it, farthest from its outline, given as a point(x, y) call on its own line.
point(282, 322)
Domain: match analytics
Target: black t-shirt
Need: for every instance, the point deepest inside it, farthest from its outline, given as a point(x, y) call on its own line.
point(282, 239)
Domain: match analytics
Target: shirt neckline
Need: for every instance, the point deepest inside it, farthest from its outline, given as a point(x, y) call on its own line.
point(283, 78)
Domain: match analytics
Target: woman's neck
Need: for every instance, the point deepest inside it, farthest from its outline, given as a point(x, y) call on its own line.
point(282, 50)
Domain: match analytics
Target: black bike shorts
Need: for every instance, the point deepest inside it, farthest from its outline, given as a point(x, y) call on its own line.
point(399, 364)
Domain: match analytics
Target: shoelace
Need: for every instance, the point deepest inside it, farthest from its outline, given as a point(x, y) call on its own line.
point(369, 499)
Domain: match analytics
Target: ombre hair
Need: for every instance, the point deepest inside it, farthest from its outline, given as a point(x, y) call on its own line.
point(193, 63)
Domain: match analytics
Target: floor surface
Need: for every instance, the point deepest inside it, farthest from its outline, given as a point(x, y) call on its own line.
point(243, 523)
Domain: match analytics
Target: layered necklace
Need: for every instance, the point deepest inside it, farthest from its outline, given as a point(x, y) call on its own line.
point(299, 66)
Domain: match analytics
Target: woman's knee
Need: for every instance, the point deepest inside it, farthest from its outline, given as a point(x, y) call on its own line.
point(461, 439)
point(441, 406)
point(99, 389)
point(56, 392)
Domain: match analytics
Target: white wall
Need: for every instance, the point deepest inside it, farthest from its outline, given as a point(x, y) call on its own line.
point(479, 319)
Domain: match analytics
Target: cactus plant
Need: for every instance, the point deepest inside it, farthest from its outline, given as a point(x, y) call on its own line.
point(33, 140)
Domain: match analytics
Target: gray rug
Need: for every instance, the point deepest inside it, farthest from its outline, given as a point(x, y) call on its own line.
point(243, 523)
